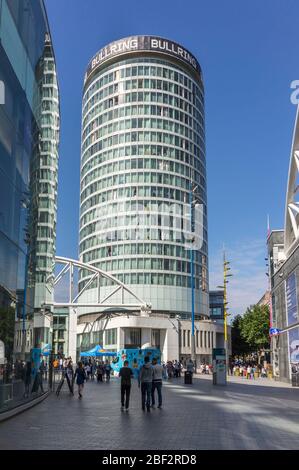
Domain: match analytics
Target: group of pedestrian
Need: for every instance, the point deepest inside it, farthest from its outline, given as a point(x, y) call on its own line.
point(249, 370)
point(205, 368)
point(103, 371)
point(172, 369)
point(149, 380)
point(35, 377)
point(86, 371)
point(97, 369)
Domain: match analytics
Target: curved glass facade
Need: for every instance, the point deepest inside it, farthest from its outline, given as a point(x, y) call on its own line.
point(29, 136)
point(143, 144)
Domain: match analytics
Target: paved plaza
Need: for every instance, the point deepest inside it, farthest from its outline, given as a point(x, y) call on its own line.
point(259, 414)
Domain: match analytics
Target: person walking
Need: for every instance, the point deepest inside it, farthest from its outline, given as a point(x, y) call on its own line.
point(126, 374)
point(81, 377)
point(100, 372)
point(70, 376)
point(39, 378)
point(145, 380)
point(87, 371)
point(190, 366)
point(175, 367)
point(107, 370)
point(170, 369)
point(93, 369)
point(179, 368)
point(157, 382)
point(27, 379)
point(165, 376)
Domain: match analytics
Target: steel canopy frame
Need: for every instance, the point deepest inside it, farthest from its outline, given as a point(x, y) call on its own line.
point(292, 199)
point(74, 302)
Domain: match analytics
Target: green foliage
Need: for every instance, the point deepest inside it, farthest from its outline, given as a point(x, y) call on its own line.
point(7, 326)
point(239, 346)
point(250, 332)
point(255, 325)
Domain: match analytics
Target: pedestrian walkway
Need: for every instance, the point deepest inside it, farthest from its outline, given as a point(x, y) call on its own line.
point(198, 416)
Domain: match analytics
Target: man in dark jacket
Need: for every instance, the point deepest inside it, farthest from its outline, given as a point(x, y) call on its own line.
point(145, 379)
point(126, 374)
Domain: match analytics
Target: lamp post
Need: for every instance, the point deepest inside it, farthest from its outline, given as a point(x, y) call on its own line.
point(193, 200)
point(226, 274)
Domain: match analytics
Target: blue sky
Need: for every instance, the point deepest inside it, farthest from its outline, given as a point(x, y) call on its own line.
point(248, 53)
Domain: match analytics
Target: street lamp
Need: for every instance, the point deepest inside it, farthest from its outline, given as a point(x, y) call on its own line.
point(226, 268)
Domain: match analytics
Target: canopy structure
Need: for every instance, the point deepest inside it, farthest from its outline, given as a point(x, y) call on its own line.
point(97, 351)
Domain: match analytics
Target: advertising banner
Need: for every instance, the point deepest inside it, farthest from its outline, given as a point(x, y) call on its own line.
point(292, 317)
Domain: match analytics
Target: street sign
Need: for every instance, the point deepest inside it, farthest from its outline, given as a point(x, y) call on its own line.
point(274, 331)
point(218, 352)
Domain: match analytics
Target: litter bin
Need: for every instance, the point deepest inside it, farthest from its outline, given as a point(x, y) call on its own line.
point(188, 377)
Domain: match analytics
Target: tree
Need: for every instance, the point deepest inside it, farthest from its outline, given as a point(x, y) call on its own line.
point(7, 327)
point(239, 345)
point(255, 325)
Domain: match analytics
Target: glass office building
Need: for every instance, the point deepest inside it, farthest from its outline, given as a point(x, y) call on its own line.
point(143, 145)
point(29, 136)
point(142, 154)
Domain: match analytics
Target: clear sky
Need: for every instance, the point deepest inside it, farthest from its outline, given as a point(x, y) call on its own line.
point(249, 55)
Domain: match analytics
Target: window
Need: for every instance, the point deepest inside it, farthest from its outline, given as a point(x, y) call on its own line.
point(132, 338)
point(156, 338)
point(111, 336)
point(98, 338)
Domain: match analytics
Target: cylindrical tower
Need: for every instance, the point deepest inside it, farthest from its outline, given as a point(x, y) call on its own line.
point(143, 149)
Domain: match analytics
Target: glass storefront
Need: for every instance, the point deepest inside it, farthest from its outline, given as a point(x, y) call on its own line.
point(29, 136)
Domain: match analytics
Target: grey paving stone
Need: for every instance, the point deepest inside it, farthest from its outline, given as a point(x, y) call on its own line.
point(242, 415)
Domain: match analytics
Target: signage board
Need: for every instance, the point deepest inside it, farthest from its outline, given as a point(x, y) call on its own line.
point(219, 366)
point(142, 43)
